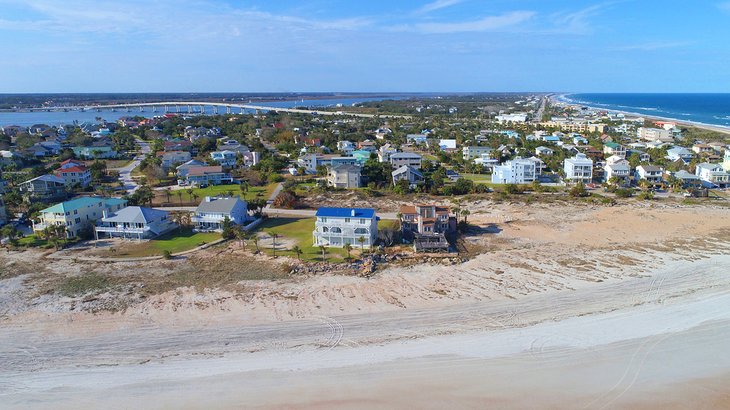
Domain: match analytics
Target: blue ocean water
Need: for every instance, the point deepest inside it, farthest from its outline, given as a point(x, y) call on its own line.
point(711, 109)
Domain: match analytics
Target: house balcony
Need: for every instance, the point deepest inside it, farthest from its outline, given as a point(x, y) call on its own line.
point(123, 230)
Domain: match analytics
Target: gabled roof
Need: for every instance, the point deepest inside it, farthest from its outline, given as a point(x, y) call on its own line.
point(219, 205)
point(74, 168)
point(407, 168)
point(135, 214)
point(191, 163)
point(81, 202)
point(346, 212)
point(47, 178)
point(203, 170)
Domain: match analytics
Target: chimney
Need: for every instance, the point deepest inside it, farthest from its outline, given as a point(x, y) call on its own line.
point(353, 212)
point(207, 199)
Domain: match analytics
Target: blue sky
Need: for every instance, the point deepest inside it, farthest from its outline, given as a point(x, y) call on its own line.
point(373, 45)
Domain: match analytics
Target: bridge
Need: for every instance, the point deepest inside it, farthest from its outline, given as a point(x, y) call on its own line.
point(201, 107)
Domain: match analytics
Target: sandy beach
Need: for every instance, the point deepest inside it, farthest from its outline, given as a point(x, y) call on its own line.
point(568, 309)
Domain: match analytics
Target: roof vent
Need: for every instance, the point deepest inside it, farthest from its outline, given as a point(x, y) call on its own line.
point(207, 199)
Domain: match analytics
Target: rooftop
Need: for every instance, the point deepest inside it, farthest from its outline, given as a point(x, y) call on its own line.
point(346, 212)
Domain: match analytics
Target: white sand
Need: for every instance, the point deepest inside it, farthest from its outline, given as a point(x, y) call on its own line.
point(609, 345)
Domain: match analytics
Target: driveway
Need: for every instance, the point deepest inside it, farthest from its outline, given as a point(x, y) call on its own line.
point(125, 172)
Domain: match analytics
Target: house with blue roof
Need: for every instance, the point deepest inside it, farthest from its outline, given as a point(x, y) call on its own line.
point(336, 227)
point(77, 214)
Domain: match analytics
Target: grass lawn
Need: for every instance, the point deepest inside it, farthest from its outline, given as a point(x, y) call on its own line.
point(299, 231)
point(32, 241)
point(113, 163)
point(479, 178)
point(213, 190)
point(174, 242)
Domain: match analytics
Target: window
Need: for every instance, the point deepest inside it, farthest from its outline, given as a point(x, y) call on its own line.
point(361, 231)
point(363, 221)
point(336, 230)
point(325, 229)
point(347, 220)
point(323, 219)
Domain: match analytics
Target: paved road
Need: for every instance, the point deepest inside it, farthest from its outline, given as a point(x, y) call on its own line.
point(125, 173)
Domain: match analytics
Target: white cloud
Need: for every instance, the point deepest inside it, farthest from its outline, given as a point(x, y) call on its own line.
point(437, 5)
point(491, 23)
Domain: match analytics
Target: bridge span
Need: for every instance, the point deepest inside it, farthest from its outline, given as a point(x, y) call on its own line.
point(192, 107)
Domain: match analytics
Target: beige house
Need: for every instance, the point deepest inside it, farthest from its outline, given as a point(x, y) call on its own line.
point(344, 176)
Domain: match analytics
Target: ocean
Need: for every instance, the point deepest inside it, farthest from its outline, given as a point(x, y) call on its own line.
point(711, 109)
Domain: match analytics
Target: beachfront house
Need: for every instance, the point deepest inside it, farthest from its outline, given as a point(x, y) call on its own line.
point(336, 227)
point(621, 171)
point(650, 173)
point(712, 174)
point(134, 222)
point(578, 168)
point(77, 214)
point(678, 153)
point(427, 226)
point(211, 212)
point(516, 171)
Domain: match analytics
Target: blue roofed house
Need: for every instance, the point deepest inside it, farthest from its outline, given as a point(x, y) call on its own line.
point(678, 153)
point(336, 227)
point(77, 214)
point(134, 222)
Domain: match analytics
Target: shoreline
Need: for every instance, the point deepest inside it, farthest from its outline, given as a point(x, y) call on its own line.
point(565, 99)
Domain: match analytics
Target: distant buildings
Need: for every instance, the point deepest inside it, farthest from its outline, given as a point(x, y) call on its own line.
point(654, 134)
point(678, 153)
point(171, 158)
point(578, 168)
point(74, 173)
point(44, 188)
point(515, 118)
point(471, 152)
point(207, 175)
point(336, 227)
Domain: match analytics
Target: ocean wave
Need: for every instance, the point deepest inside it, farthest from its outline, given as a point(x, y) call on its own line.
point(727, 117)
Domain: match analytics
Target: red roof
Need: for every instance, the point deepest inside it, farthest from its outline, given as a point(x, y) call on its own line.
point(72, 169)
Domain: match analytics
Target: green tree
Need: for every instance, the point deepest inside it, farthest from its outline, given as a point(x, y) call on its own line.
point(297, 251)
point(361, 241)
point(348, 249)
point(324, 252)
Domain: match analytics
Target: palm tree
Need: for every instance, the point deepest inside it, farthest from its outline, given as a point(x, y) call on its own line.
point(190, 193)
point(179, 193)
point(324, 252)
point(465, 213)
point(361, 241)
point(168, 194)
point(244, 188)
point(348, 248)
point(297, 251)
point(195, 197)
point(255, 240)
point(457, 212)
point(273, 235)
point(241, 235)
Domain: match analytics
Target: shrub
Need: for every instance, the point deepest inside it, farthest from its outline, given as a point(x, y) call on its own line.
point(624, 192)
point(166, 254)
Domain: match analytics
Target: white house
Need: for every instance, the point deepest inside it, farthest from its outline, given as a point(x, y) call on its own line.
point(385, 152)
point(225, 158)
point(134, 222)
point(615, 159)
point(726, 161)
point(170, 158)
point(408, 173)
point(713, 174)
point(619, 170)
point(471, 152)
point(654, 134)
point(411, 159)
point(346, 147)
point(516, 171)
point(578, 168)
point(517, 117)
point(650, 173)
point(211, 212)
point(447, 145)
point(344, 176)
point(543, 151)
point(336, 227)
point(680, 153)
